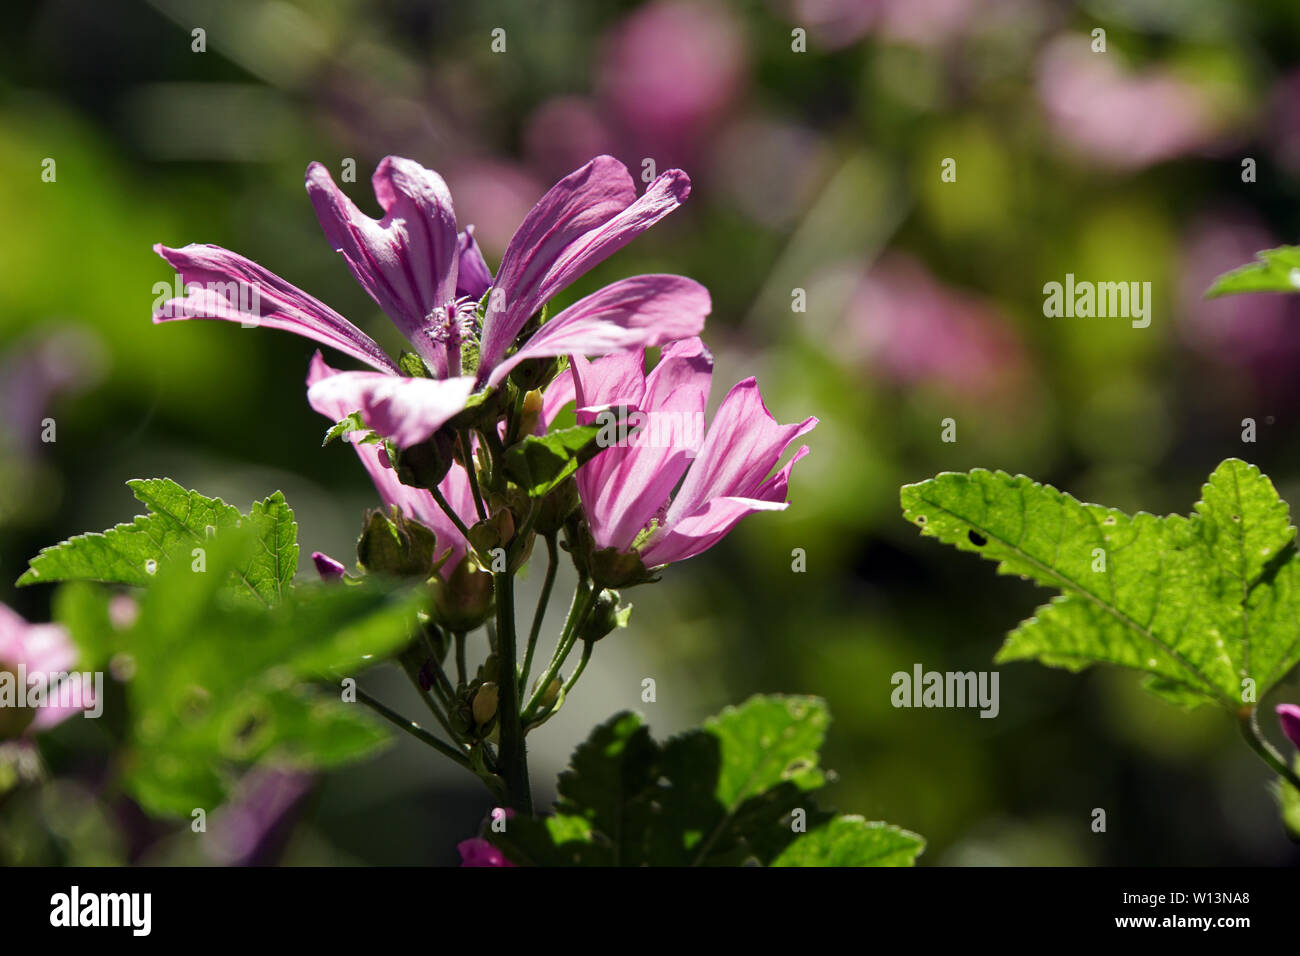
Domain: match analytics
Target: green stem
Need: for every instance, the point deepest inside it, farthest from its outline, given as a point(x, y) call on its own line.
point(582, 666)
point(412, 728)
point(1250, 730)
point(468, 448)
point(411, 665)
point(552, 566)
point(450, 512)
point(460, 658)
point(583, 602)
point(513, 752)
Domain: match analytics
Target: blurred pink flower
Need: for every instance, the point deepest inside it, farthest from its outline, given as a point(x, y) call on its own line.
point(668, 73)
point(41, 650)
point(1121, 118)
point(836, 24)
point(479, 852)
point(1283, 125)
point(911, 329)
point(561, 134)
point(246, 828)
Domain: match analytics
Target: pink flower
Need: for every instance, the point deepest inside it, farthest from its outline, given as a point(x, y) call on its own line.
point(479, 852)
point(41, 651)
point(428, 278)
point(1288, 715)
point(1124, 119)
point(627, 489)
point(912, 329)
point(415, 503)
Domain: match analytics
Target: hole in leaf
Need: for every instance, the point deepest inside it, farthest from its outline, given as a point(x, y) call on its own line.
point(977, 539)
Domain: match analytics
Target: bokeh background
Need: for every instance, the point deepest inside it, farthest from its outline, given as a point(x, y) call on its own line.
point(817, 170)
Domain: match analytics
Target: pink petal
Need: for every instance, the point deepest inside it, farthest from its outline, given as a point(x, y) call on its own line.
point(327, 567)
point(416, 503)
point(622, 488)
point(744, 443)
point(631, 313)
point(702, 529)
point(407, 260)
point(226, 286)
point(473, 277)
point(558, 394)
point(1288, 716)
point(406, 410)
point(583, 219)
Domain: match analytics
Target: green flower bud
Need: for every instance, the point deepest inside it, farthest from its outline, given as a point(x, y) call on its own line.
point(494, 531)
point(426, 464)
point(605, 617)
point(396, 545)
point(462, 600)
point(555, 508)
point(485, 704)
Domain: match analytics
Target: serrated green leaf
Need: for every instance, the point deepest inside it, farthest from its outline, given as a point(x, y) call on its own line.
point(179, 527)
point(1197, 603)
point(352, 423)
point(1277, 270)
point(538, 463)
point(221, 684)
point(722, 795)
point(853, 841)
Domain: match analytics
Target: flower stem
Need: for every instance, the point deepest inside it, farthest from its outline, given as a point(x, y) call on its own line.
point(467, 448)
point(450, 512)
point(412, 728)
point(552, 565)
point(460, 658)
point(582, 666)
point(584, 599)
point(1249, 725)
point(513, 752)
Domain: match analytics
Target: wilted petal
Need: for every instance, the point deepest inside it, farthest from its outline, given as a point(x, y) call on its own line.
point(406, 410)
point(226, 286)
point(473, 277)
point(407, 260)
point(584, 218)
point(628, 314)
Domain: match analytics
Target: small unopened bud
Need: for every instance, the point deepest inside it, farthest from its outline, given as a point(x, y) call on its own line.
point(530, 412)
point(551, 693)
point(463, 599)
point(605, 617)
point(1288, 716)
point(485, 704)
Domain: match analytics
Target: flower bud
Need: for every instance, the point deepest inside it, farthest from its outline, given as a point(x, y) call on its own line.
point(398, 546)
point(463, 599)
point(605, 617)
point(530, 412)
point(426, 464)
point(485, 704)
point(495, 531)
point(1288, 716)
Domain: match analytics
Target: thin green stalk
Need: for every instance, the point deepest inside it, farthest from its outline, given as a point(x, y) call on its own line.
point(467, 447)
point(582, 666)
point(1268, 753)
point(450, 512)
point(552, 566)
point(412, 728)
point(583, 602)
point(513, 750)
point(460, 658)
point(412, 668)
